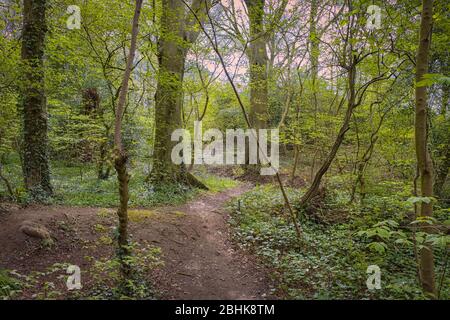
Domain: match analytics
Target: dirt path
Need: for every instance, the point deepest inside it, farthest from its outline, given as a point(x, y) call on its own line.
point(200, 262)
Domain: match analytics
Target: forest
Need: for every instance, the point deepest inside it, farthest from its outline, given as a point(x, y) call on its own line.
point(224, 150)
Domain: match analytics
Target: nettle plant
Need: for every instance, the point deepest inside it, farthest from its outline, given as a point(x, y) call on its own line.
point(420, 233)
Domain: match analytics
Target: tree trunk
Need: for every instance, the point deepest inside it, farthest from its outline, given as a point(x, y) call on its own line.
point(421, 135)
point(173, 46)
point(361, 168)
point(7, 183)
point(36, 167)
point(258, 60)
point(443, 153)
point(314, 52)
point(296, 159)
point(121, 156)
point(442, 169)
point(169, 94)
point(366, 157)
point(103, 167)
point(258, 67)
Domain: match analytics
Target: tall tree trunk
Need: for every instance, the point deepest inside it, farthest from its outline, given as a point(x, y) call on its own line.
point(258, 64)
point(35, 137)
point(313, 47)
point(443, 153)
point(258, 67)
point(314, 51)
point(421, 136)
point(169, 92)
point(89, 108)
point(121, 156)
point(442, 167)
point(173, 45)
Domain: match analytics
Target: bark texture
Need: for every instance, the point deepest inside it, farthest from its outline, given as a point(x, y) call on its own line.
point(258, 68)
point(258, 60)
point(36, 167)
point(424, 163)
point(443, 152)
point(121, 156)
point(314, 52)
point(177, 35)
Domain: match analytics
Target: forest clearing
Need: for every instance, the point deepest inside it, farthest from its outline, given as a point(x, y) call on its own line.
point(224, 150)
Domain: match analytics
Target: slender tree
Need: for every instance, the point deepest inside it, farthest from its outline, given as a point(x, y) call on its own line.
point(424, 162)
point(36, 168)
point(121, 156)
point(350, 60)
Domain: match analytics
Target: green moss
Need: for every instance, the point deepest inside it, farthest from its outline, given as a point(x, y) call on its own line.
point(140, 215)
point(100, 228)
point(105, 240)
point(178, 214)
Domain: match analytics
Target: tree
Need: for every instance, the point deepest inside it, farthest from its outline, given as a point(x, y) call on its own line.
point(121, 157)
point(258, 59)
point(351, 58)
point(424, 162)
point(258, 62)
point(440, 130)
point(178, 33)
point(36, 167)
point(314, 50)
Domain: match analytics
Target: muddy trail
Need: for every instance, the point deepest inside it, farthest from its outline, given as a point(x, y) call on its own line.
point(200, 260)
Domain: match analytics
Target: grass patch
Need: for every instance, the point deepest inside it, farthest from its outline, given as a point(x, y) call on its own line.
point(215, 183)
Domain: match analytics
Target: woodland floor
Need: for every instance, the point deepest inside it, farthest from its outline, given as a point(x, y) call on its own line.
point(200, 260)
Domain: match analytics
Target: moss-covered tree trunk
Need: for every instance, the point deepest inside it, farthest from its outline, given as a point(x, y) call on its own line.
point(424, 162)
point(177, 34)
point(258, 61)
point(443, 166)
point(169, 92)
point(314, 51)
point(258, 67)
point(35, 137)
point(121, 156)
point(443, 153)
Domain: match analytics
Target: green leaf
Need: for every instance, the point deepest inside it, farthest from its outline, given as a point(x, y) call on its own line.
point(378, 247)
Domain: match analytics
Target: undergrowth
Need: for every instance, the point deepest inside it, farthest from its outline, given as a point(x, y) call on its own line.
point(79, 186)
point(330, 260)
point(100, 279)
